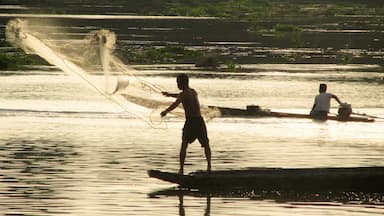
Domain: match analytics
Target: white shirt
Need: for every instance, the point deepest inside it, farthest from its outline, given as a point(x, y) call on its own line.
point(323, 102)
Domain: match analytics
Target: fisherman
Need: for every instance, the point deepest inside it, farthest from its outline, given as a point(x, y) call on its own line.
point(322, 103)
point(194, 127)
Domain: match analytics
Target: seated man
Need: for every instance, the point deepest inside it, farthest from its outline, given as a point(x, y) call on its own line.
point(322, 103)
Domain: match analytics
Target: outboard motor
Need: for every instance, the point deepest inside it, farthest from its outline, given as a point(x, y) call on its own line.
point(345, 110)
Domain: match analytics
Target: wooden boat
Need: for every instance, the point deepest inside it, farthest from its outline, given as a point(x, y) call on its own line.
point(253, 111)
point(363, 179)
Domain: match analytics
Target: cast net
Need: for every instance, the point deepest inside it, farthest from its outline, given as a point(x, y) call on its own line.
point(92, 60)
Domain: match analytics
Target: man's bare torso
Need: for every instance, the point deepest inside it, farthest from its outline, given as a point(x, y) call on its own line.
point(190, 102)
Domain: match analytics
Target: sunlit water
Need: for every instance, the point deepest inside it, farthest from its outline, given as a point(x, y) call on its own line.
point(67, 150)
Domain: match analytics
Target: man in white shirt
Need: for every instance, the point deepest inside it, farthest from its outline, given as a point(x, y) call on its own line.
point(322, 103)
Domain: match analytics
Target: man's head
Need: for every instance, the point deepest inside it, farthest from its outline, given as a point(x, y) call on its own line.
point(322, 87)
point(182, 81)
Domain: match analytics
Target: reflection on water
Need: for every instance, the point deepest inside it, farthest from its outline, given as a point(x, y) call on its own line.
point(32, 174)
point(207, 211)
point(313, 203)
point(289, 196)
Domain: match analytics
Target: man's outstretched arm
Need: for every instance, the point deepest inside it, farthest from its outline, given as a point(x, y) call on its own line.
point(167, 94)
point(171, 107)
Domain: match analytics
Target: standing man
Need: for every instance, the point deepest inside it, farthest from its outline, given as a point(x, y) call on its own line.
point(322, 103)
point(194, 127)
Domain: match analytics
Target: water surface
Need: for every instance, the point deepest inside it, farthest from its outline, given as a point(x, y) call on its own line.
point(67, 150)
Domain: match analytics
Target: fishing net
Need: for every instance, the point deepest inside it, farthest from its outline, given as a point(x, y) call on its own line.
point(92, 60)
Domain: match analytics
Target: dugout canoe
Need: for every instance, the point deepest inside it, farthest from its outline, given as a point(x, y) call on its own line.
point(253, 111)
point(364, 179)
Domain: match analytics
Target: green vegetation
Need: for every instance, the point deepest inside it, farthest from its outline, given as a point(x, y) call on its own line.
point(242, 10)
point(288, 32)
point(158, 55)
point(18, 61)
point(283, 20)
point(253, 10)
point(232, 67)
point(208, 61)
point(246, 10)
point(174, 55)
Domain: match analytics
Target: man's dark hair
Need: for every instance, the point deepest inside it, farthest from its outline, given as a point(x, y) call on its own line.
point(183, 79)
point(323, 87)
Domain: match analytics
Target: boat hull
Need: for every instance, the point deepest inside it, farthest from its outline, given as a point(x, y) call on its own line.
point(364, 179)
point(252, 112)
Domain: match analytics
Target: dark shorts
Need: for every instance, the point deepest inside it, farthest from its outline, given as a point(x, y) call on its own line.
point(319, 115)
point(194, 128)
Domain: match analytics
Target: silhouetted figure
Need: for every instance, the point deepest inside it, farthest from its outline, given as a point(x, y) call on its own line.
point(322, 103)
point(194, 127)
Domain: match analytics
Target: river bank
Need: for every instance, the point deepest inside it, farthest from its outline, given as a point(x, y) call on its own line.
point(309, 32)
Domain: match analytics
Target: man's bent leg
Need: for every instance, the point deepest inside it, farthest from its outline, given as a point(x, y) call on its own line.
point(183, 153)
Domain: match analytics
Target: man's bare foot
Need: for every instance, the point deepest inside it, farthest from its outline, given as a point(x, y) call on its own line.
point(209, 169)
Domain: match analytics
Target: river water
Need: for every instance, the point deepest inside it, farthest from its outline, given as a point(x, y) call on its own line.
point(66, 150)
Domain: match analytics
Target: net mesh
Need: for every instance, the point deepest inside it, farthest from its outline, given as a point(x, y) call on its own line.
point(92, 60)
